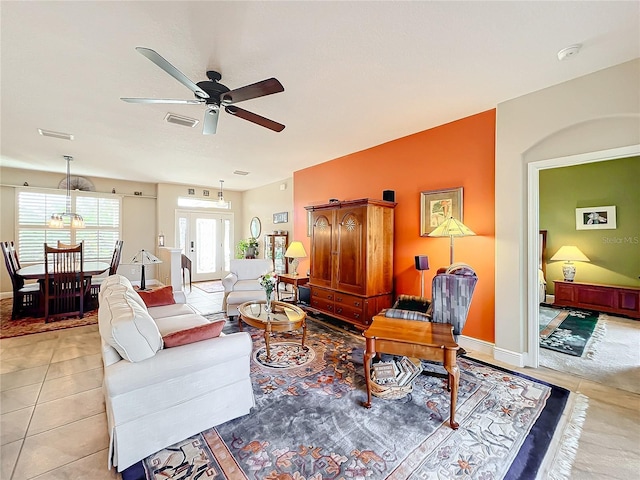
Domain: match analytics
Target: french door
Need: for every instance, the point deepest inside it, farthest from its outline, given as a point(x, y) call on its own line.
point(206, 239)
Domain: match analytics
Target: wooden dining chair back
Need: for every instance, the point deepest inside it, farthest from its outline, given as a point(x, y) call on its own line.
point(67, 245)
point(26, 297)
point(65, 285)
point(96, 282)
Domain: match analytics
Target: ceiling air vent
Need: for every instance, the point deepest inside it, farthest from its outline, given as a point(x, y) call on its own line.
point(180, 120)
point(51, 133)
point(240, 172)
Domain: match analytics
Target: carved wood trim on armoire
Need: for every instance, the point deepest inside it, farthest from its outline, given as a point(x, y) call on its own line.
point(351, 275)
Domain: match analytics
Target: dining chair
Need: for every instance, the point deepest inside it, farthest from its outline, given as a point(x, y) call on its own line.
point(26, 297)
point(186, 265)
point(67, 245)
point(96, 282)
point(65, 285)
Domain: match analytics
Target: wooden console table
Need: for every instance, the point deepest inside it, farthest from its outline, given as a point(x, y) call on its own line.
point(411, 338)
point(602, 298)
point(291, 279)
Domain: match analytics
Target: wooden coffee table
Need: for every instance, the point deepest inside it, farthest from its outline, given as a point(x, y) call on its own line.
point(412, 338)
point(284, 318)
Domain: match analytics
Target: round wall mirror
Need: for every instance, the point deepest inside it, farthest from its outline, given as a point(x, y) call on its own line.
point(255, 227)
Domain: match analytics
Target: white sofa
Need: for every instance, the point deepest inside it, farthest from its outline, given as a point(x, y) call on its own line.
point(158, 396)
point(242, 282)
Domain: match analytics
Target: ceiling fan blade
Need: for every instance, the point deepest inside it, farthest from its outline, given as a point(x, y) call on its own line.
point(210, 123)
point(159, 60)
point(162, 100)
point(257, 119)
point(255, 90)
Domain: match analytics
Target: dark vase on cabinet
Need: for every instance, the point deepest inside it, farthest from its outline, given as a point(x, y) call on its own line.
point(351, 276)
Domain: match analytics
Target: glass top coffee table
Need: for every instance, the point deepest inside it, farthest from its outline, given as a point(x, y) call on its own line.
point(284, 317)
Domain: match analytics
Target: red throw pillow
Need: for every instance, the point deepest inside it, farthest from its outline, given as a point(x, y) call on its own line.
point(195, 334)
point(158, 296)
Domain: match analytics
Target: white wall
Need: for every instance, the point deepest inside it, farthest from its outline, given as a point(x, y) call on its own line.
point(596, 112)
point(263, 202)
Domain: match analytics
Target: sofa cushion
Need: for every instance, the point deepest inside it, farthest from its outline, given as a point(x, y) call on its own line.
point(128, 327)
point(194, 334)
point(157, 296)
point(171, 310)
point(244, 285)
point(175, 323)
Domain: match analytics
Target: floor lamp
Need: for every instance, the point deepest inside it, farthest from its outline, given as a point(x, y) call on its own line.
point(144, 258)
point(451, 228)
point(422, 264)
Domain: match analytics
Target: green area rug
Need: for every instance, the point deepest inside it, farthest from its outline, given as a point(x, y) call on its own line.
point(309, 422)
point(566, 331)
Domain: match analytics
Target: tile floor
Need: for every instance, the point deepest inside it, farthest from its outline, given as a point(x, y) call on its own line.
point(53, 424)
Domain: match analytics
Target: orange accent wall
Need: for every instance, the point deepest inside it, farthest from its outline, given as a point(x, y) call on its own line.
point(457, 154)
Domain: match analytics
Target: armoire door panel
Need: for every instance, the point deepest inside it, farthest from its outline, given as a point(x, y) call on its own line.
point(321, 250)
point(350, 274)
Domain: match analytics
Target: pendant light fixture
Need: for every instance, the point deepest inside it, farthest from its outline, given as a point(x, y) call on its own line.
point(221, 201)
point(57, 219)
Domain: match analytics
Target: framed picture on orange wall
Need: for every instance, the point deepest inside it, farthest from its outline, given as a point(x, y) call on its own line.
point(438, 205)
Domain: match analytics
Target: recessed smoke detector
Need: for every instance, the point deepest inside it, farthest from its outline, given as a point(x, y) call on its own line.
point(51, 133)
point(240, 172)
point(568, 52)
point(180, 120)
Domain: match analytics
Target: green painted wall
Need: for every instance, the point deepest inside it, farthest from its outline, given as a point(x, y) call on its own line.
point(614, 254)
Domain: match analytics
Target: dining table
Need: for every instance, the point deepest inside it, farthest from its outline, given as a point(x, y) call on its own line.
point(36, 271)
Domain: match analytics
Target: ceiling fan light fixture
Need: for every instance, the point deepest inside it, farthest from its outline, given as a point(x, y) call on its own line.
point(181, 120)
point(51, 133)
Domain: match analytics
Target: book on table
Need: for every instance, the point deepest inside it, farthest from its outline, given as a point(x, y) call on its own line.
point(385, 373)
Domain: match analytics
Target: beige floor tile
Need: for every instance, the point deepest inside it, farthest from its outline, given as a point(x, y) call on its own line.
point(29, 349)
point(69, 332)
point(74, 351)
point(28, 339)
point(22, 363)
point(76, 365)
point(65, 410)
point(92, 467)
point(8, 458)
point(80, 339)
point(18, 398)
point(13, 425)
point(22, 378)
point(70, 384)
point(61, 446)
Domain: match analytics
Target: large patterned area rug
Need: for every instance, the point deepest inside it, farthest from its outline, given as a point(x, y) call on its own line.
point(566, 331)
point(28, 325)
point(211, 286)
point(309, 422)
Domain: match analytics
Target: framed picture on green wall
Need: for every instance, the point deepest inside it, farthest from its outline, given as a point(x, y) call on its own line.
point(596, 218)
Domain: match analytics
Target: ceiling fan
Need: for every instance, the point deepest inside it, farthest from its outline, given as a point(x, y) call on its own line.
point(214, 95)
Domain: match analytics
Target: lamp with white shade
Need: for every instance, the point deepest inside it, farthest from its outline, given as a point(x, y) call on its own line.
point(294, 252)
point(451, 228)
point(568, 254)
point(144, 258)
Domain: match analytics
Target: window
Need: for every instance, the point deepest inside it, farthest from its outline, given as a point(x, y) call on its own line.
point(101, 215)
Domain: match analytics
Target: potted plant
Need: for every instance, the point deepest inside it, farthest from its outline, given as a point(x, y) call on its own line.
point(247, 248)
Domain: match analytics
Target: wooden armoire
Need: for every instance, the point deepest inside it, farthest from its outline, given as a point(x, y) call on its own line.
point(351, 275)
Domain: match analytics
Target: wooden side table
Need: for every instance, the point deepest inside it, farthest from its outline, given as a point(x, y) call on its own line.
point(412, 338)
point(295, 280)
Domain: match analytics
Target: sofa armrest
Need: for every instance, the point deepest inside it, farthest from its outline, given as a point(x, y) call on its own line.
point(123, 376)
point(229, 281)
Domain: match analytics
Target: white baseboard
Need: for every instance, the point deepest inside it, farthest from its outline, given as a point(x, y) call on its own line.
point(481, 346)
point(507, 356)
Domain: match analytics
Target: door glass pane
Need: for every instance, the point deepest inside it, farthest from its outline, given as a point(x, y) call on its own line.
point(182, 234)
point(206, 241)
point(227, 244)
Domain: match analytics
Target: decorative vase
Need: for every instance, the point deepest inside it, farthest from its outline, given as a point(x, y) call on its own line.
point(267, 307)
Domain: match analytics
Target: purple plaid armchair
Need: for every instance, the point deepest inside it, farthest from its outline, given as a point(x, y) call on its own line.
point(451, 291)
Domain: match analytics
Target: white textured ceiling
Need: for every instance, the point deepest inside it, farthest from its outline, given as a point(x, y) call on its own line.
point(356, 74)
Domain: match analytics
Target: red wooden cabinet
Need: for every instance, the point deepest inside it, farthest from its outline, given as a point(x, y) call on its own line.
point(613, 299)
point(351, 275)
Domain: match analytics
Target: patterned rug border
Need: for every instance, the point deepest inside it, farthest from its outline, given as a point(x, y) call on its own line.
point(31, 325)
point(562, 340)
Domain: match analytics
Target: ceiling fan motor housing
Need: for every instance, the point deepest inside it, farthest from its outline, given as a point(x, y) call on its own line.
point(213, 88)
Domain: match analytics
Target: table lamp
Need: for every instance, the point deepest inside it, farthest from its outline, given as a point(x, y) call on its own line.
point(294, 252)
point(144, 258)
point(568, 254)
point(451, 228)
point(422, 264)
